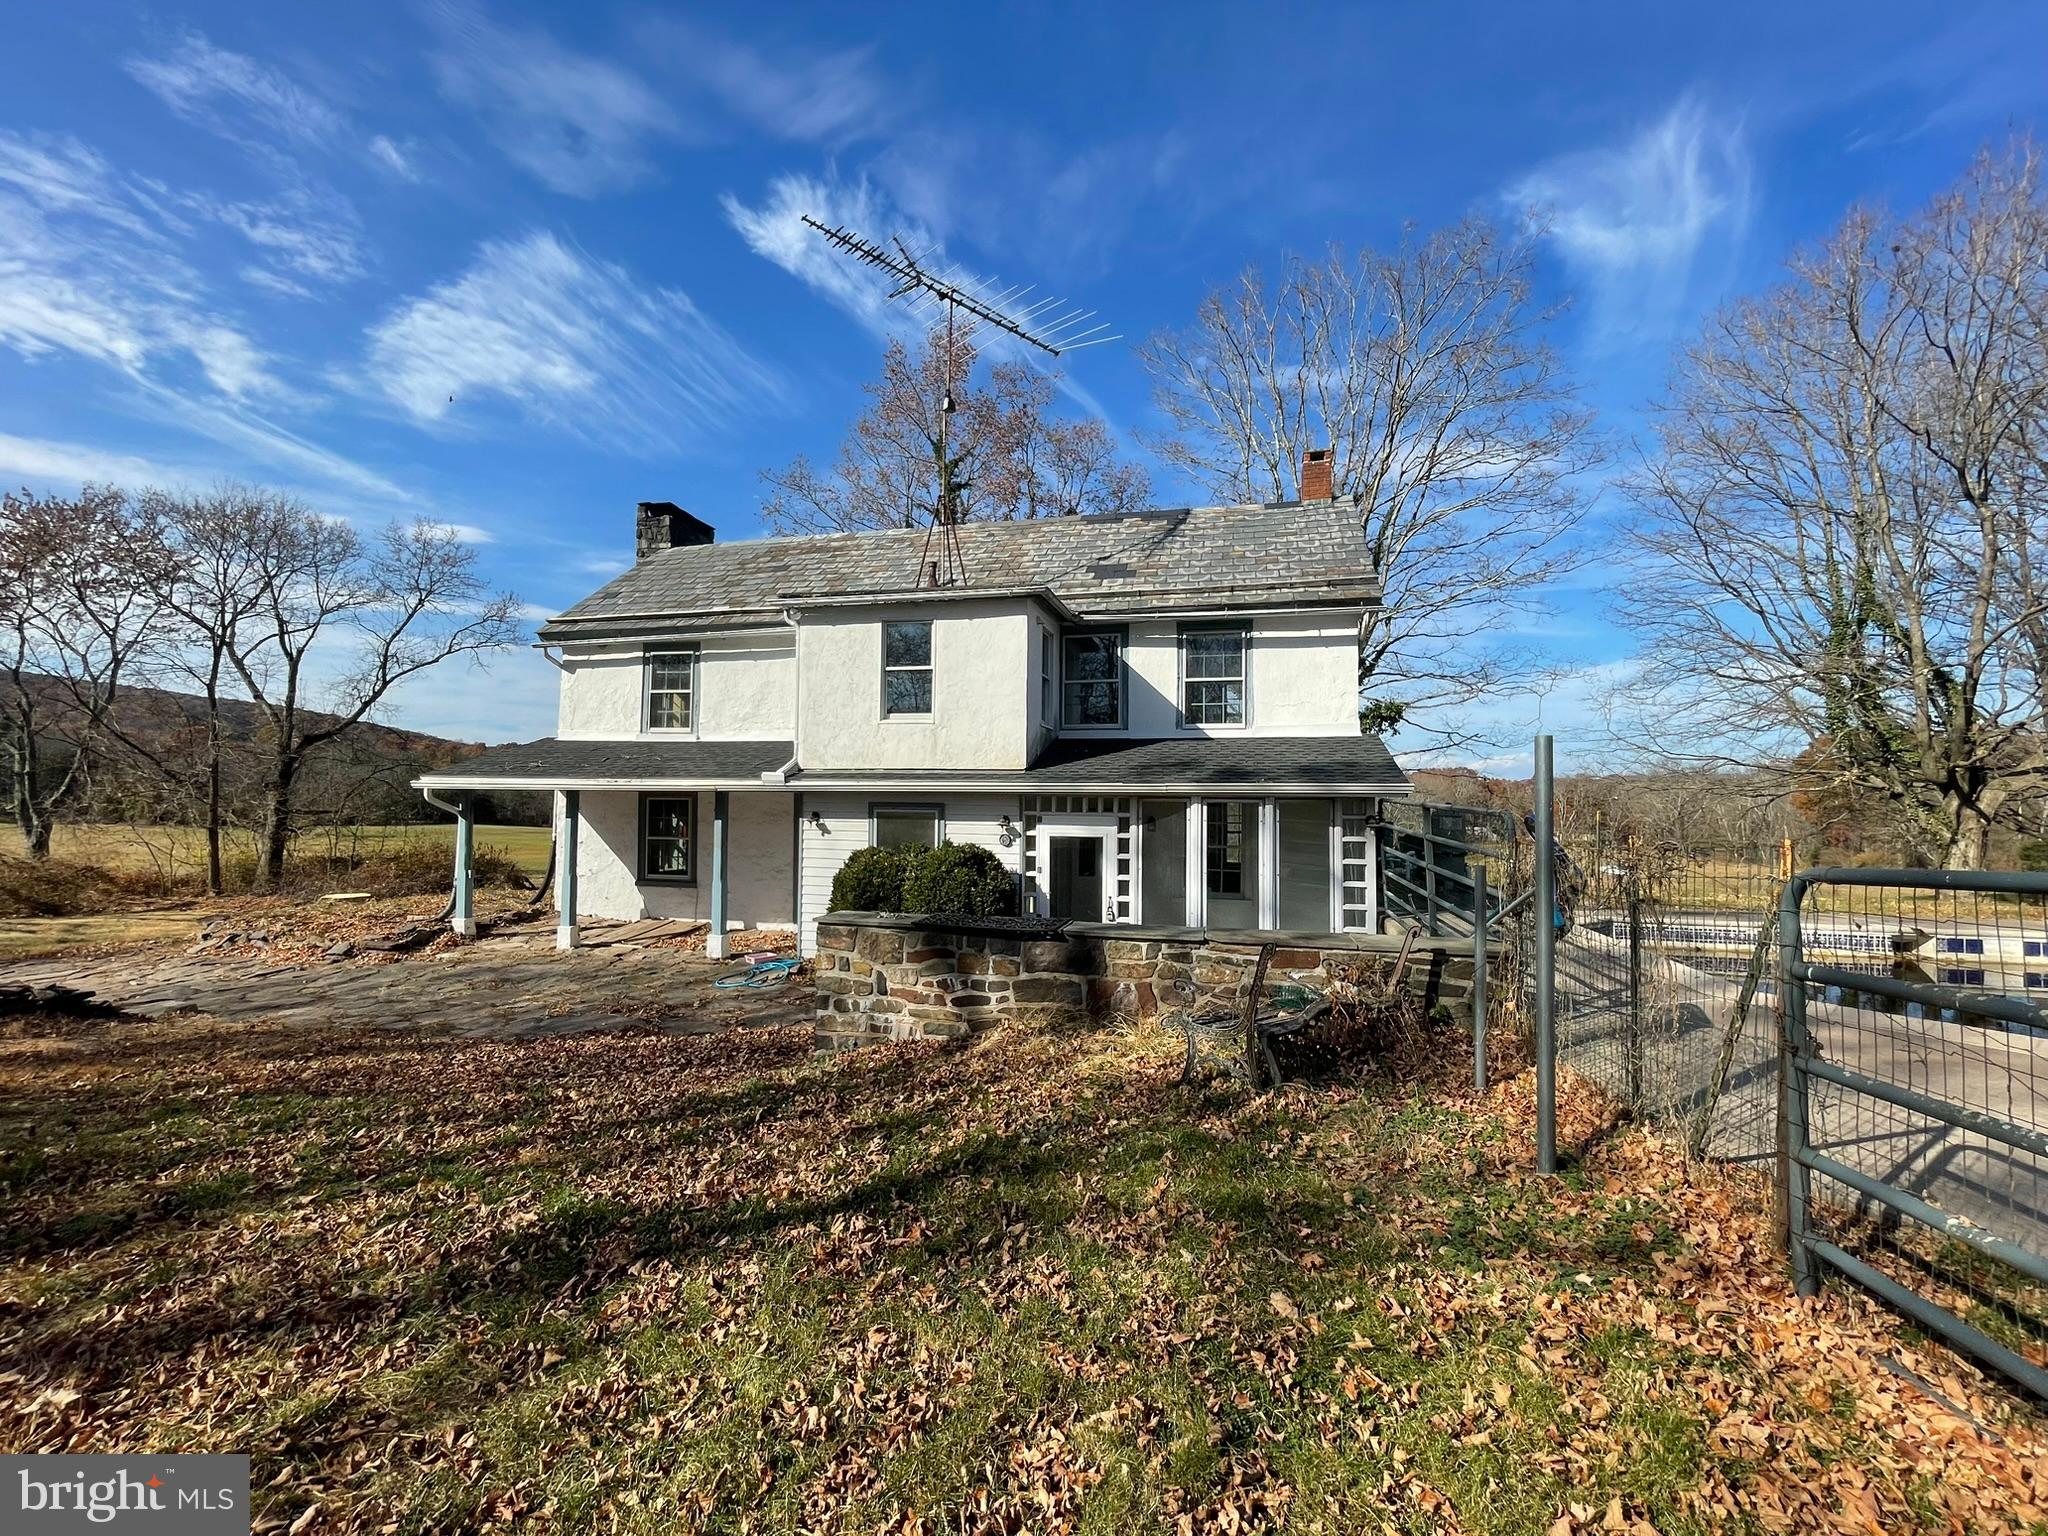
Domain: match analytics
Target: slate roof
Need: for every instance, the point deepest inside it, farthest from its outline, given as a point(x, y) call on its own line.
point(1285, 554)
point(550, 760)
point(1351, 764)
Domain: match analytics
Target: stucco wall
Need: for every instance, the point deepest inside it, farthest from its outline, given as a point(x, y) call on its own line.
point(746, 688)
point(1304, 678)
point(969, 819)
point(980, 715)
point(760, 849)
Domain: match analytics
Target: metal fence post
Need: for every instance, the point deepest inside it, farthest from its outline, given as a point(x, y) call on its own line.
point(1632, 1041)
point(1794, 1181)
point(1546, 965)
point(1479, 1000)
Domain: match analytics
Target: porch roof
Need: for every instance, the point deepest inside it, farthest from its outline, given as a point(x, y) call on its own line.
point(551, 763)
point(1353, 765)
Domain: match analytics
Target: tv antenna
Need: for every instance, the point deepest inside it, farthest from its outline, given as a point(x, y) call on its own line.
point(1050, 324)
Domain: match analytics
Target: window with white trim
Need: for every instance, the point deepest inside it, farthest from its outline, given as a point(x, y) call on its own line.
point(1212, 676)
point(1045, 677)
point(671, 690)
point(1092, 679)
point(668, 843)
point(905, 826)
point(907, 668)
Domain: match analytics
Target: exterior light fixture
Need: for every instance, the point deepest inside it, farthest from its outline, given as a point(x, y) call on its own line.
point(1005, 833)
point(817, 822)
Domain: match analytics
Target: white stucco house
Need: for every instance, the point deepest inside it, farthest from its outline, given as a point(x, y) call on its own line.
point(1151, 717)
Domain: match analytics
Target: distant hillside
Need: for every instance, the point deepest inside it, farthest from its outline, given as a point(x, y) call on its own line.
point(364, 776)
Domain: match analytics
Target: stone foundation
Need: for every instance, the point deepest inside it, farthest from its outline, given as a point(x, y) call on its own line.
point(883, 976)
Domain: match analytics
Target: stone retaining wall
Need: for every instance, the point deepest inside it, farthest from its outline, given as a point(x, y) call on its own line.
point(883, 976)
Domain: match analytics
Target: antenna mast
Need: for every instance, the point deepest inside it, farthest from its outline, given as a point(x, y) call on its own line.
point(1049, 324)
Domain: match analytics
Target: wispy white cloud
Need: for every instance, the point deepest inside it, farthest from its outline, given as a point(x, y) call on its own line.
point(467, 533)
point(84, 270)
point(790, 93)
point(49, 465)
point(580, 124)
point(304, 239)
point(569, 341)
point(774, 230)
point(233, 94)
point(1632, 219)
point(398, 159)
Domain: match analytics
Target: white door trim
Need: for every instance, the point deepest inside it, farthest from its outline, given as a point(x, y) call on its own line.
point(1098, 825)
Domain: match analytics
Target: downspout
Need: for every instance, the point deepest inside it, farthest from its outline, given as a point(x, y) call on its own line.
point(781, 775)
point(438, 803)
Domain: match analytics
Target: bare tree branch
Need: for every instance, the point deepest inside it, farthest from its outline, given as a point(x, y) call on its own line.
point(1451, 422)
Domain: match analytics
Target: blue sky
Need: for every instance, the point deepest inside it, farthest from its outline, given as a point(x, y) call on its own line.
point(518, 267)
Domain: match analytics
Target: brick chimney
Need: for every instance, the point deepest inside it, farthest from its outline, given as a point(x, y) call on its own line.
point(1317, 466)
point(664, 525)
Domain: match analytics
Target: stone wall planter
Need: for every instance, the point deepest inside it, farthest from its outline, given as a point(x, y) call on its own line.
point(891, 976)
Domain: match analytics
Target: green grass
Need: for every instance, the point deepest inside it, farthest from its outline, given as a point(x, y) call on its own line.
point(650, 1284)
point(175, 850)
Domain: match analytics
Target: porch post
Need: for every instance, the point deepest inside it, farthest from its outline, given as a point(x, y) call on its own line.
point(462, 918)
point(714, 941)
point(565, 869)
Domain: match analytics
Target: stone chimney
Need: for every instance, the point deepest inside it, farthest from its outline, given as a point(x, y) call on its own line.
point(1317, 465)
point(664, 525)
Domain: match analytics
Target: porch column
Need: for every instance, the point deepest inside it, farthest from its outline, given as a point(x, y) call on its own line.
point(565, 870)
point(714, 941)
point(463, 916)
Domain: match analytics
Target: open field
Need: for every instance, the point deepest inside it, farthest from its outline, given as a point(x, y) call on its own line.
point(180, 850)
point(634, 1283)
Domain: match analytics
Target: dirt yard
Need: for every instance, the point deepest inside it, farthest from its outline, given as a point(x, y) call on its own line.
point(634, 1281)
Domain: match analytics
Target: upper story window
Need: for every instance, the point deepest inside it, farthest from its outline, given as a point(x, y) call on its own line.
point(1045, 678)
point(1212, 676)
point(1092, 679)
point(907, 668)
point(671, 690)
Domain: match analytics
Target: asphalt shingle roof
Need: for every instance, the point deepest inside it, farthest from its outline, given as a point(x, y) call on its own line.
point(550, 759)
point(1291, 552)
point(1350, 763)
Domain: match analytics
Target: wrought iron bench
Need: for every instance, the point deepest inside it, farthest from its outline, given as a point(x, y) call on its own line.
point(1241, 1041)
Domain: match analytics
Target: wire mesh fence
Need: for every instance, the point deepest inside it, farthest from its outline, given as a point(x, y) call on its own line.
point(1666, 969)
point(1920, 1133)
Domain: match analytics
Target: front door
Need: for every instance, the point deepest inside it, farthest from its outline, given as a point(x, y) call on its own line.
point(1075, 858)
point(1076, 868)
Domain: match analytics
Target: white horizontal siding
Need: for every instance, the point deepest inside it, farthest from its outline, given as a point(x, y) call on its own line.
point(970, 818)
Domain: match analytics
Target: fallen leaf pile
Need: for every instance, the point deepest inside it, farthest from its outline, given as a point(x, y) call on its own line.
point(646, 1283)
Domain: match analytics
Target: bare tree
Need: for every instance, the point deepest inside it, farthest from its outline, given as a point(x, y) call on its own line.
point(77, 616)
point(212, 580)
point(1843, 524)
point(267, 582)
point(1451, 421)
point(1010, 454)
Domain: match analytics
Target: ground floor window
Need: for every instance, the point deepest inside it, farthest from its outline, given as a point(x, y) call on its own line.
point(905, 826)
point(668, 843)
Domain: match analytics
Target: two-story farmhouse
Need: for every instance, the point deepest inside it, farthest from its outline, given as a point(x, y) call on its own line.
point(1151, 717)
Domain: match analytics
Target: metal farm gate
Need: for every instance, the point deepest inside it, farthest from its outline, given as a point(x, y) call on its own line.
point(1914, 1100)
